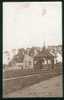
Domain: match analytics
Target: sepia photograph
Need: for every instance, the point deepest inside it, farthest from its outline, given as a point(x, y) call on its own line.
point(32, 49)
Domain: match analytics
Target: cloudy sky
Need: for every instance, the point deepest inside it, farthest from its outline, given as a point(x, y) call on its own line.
point(27, 24)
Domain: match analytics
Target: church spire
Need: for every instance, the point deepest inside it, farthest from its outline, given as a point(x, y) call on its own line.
point(44, 46)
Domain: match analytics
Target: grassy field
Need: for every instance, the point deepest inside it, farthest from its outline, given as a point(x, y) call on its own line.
point(22, 82)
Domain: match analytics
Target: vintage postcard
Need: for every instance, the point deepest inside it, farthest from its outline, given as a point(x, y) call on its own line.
point(32, 49)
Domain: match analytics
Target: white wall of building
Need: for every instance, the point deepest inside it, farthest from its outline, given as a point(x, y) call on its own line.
point(8, 56)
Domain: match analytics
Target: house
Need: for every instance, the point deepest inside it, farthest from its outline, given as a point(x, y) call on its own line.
point(28, 62)
point(8, 56)
point(57, 56)
point(44, 59)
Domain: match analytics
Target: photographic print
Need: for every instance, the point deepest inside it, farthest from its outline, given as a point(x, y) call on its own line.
point(32, 49)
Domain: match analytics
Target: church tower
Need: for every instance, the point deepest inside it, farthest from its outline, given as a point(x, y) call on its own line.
point(44, 46)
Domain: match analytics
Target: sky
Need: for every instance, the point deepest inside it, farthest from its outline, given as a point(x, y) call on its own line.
point(27, 24)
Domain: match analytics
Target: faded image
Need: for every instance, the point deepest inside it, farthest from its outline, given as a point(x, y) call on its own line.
point(32, 49)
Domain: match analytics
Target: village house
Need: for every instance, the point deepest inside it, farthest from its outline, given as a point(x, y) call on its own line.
point(57, 56)
point(43, 60)
point(8, 55)
point(28, 62)
point(40, 60)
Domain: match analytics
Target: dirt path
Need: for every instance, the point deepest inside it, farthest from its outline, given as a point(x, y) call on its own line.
point(48, 88)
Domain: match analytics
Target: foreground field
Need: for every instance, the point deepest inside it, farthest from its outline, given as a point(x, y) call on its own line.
point(47, 88)
point(18, 79)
